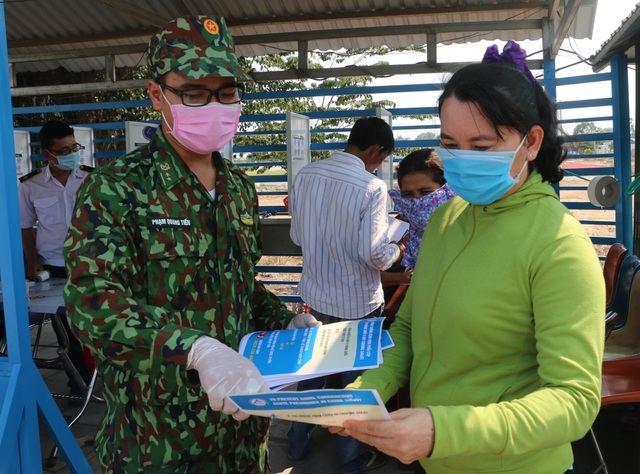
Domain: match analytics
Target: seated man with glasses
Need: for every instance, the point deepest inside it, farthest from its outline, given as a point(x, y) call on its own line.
point(47, 197)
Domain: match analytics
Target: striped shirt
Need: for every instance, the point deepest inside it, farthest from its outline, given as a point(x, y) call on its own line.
point(339, 218)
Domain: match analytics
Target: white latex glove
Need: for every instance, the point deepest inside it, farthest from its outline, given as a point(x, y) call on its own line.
point(224, 372)
point(303, 320)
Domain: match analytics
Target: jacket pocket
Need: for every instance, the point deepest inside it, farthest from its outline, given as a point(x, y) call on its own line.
point(49, 210)
point(178, 267)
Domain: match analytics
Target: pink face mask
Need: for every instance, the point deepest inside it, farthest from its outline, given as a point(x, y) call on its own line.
point(204, 129)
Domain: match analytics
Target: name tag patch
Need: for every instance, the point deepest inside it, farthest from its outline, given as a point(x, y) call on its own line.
point(158, 222)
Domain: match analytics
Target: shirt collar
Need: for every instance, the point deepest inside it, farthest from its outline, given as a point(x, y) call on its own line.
point(349, 158)
point(47, 173)
point(75, 172)
point(167, 162)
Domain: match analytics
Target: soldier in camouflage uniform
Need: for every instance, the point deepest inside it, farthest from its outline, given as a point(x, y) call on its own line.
point(161, 254)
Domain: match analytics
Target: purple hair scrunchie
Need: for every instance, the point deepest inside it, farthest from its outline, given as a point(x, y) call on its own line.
point(511, 53)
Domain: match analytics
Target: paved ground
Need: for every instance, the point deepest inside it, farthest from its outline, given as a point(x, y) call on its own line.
point(617, 428)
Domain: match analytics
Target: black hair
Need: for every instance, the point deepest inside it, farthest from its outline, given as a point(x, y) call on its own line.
point(506, 98)
point(425, 161)
point(369, 131)
point(53, 130)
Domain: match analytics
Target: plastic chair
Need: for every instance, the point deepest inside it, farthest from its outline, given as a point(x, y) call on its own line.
point(610, 321)
point(621, 373)
point(623, 340)
point(620, 297)
point(611, 270)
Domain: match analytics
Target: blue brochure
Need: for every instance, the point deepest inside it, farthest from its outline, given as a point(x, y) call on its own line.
point(287, 356)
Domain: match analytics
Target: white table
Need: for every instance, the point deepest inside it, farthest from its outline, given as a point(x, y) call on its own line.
point(46, 297)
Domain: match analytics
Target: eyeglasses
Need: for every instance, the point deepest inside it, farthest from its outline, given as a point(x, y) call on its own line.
point(67, 150)
point(230, 94)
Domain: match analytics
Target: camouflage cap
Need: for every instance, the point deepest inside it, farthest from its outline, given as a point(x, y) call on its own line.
point(198, 46)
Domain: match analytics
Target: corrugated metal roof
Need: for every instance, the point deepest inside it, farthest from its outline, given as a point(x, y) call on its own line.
point(43, 34)
point(621, 41)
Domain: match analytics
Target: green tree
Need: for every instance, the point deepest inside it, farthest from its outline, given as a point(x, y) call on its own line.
point(303, 104)
point(427, 136)
point(263, 133)
point(109, 140)
point(590, 147)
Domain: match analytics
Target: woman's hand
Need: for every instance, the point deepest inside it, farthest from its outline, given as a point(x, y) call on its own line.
point(408, 436)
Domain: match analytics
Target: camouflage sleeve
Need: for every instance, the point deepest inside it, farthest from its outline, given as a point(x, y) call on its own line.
point(104, 267)
point(270, 311)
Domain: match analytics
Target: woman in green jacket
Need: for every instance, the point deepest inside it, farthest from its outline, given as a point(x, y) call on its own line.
point(502, 331)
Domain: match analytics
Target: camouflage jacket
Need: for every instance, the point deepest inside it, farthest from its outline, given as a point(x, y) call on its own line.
point(154, 263)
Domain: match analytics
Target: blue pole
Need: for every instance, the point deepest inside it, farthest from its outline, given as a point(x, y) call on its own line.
point(622, 145)
point(23, 393)
point(550, 86)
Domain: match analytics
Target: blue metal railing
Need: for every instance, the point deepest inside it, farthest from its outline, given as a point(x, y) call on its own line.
point(611, 112)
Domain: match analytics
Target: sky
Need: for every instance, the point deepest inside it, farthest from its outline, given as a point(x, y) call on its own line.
point(607, 20)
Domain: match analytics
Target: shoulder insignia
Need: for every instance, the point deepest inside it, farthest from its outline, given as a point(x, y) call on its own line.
point(86, 168)
point(246, 218)
point(29, 175)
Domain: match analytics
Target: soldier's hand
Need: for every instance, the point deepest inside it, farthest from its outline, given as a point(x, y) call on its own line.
point(224, 372)
point(303, 320)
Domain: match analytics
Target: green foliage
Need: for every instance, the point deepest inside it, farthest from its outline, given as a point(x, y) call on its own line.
point(334, 129)
point(117, 115)
point(590, 147)
point(427, 136)
point(270, 132)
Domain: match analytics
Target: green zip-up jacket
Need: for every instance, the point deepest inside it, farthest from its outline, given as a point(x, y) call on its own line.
point(154, 263)
point(501, 335)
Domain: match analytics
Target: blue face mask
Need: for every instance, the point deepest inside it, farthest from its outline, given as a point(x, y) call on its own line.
point(68, 162)
point(479, 177)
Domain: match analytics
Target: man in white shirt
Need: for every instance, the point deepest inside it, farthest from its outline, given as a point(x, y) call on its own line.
point(47, 197)
point(339, 218)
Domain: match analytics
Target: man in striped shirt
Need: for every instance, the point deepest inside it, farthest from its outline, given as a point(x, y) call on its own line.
point(339, 218)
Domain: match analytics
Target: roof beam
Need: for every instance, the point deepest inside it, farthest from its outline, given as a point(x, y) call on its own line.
point(348, 71)
point(187, 7)
point(295, 36)
point(401, 30)
point(302, 19)
point(361, 14)
point(569, 14)
point(79, 53)
point(554, 9)
point(125, 7)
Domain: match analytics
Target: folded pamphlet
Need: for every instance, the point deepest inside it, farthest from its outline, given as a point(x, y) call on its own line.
point(320, 407)
point(287, 356)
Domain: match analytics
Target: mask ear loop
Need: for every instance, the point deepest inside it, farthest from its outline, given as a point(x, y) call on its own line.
point(164, 119)
point(53, 156)
point(526, 162)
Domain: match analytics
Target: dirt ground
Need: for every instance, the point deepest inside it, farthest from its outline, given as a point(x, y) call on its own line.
point(603, 230)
